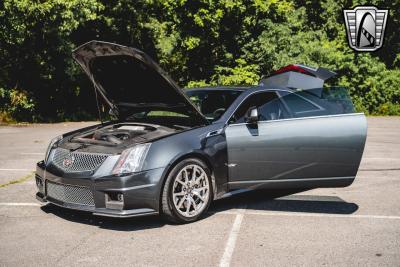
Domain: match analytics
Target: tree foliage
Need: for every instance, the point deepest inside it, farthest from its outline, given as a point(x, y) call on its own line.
point(202, 42)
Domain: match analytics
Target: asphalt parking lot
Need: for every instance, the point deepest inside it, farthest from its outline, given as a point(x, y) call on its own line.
point(357, 225)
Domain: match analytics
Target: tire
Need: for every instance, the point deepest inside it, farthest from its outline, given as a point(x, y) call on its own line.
point(182, 189)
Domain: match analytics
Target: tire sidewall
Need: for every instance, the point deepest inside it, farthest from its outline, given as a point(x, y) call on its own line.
point(171, 178)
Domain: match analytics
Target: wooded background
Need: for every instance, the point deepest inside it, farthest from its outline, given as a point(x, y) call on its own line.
point(204, 42)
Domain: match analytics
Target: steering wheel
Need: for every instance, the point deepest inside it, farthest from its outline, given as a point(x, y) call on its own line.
point(218, 112)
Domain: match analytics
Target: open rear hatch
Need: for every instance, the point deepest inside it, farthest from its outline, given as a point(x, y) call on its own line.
point(296, 76)
point(129, 81)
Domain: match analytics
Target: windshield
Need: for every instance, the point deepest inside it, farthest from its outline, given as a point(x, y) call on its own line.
point(213, 103)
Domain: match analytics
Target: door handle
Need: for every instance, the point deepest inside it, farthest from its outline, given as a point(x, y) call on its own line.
point(213, 133)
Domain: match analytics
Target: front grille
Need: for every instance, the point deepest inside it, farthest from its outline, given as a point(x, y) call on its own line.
point(77, 161)
point(70, 194)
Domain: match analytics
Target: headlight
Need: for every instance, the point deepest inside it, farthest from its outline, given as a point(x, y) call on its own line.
point(132, 159)
point(53, 142)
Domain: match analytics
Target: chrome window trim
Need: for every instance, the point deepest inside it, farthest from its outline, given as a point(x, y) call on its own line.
point(302, 118)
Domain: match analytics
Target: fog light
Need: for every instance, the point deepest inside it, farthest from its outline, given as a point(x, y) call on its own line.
point(39, 183)
point(115, 201)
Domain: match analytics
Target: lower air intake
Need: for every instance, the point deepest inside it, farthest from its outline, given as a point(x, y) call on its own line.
point(70, 194)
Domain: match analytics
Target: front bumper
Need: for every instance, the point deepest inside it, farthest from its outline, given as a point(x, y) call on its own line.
point(140, 192)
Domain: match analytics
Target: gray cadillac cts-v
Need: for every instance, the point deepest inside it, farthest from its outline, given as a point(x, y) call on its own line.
point(171, 151)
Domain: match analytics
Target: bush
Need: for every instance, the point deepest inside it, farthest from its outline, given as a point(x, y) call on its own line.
point(388, 109)
point(15, 106)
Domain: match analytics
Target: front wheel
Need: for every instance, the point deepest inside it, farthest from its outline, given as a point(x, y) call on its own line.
point(187, 192)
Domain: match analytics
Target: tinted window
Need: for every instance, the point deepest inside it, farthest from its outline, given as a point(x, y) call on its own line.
point(319, 102)
point(298, 104)
point(268, 104)
point(337, 100)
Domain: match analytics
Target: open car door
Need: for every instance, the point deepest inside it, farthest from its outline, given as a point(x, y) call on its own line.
point(301, 139)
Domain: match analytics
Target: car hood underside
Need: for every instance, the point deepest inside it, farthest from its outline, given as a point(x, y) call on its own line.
point(129, 81)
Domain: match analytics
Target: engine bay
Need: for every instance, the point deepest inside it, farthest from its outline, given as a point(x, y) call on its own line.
point(122, 133)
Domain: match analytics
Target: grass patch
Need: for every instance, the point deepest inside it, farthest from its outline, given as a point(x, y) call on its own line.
point(19, 180)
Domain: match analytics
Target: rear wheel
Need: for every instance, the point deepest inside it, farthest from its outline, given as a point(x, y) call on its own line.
point(187, 192)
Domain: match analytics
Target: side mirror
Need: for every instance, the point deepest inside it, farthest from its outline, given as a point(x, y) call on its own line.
point(252, 115)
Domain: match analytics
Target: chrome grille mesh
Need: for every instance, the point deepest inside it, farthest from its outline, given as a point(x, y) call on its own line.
point(70, 194)
point(77, 161)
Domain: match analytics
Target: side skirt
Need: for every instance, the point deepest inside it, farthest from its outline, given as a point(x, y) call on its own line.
point(292, 183)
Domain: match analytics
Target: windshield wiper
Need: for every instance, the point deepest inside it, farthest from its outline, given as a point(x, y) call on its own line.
point(123, 104)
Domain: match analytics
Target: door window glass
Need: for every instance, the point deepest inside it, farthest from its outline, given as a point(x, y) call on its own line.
point(335, 100)
point(318, 102)
point(268, 105)
point(297, 104)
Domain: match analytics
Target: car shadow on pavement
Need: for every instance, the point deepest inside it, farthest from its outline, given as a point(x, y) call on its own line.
point(117, 224)
point(276, 200)
point(285, 201)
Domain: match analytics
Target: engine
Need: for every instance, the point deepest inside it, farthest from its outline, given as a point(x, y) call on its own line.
point(123, 132)
point(117, 136)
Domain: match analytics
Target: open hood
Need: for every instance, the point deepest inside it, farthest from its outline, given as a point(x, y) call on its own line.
point(129, 81)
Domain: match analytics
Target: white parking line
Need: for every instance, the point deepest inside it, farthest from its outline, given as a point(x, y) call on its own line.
point(383, 158)
point(239, 217)
point(320, 215)
point(230, 244)
point(20, 204)
point(379, 170)
point(22, 170)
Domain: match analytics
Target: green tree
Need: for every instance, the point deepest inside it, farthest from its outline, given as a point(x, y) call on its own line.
point(202, 42)
point(35, 54)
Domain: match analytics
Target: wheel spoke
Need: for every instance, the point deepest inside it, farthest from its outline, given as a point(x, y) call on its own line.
point(188, 204)
point(178, 194)
point(182, 183)
point(194, 173)
point(186, 176)
point(181, 203)
point(194, 203)
point(199, 189)
point(198, 179)
point(198, 195)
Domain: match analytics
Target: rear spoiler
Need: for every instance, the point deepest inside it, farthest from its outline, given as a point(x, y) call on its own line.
point(296, 76)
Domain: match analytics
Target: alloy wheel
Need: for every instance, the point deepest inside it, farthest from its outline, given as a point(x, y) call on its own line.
point(191, 191)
